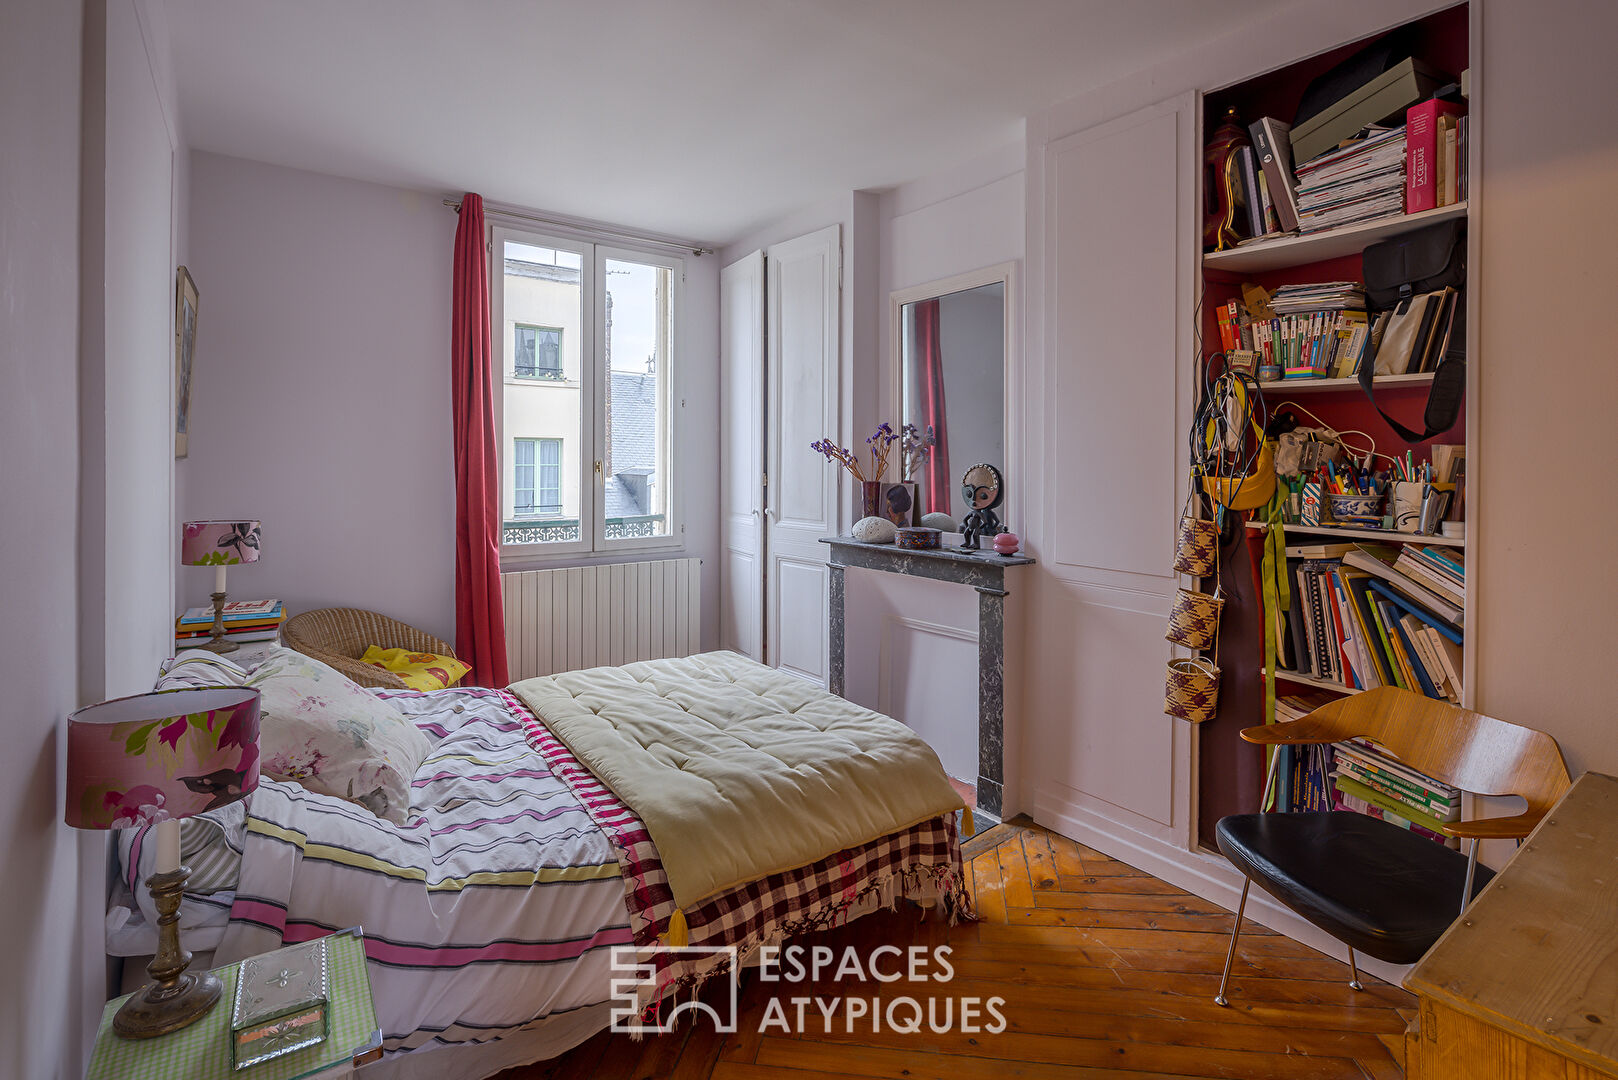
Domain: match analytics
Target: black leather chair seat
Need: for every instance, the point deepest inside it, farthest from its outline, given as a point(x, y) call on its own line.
point(1380, 889)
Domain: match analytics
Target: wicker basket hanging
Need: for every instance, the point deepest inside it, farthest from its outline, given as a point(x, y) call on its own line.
point(1194, 619)
point(1191, 690)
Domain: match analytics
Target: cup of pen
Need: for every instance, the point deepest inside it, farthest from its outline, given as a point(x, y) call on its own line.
point(1407, 502)
point(1357, 508)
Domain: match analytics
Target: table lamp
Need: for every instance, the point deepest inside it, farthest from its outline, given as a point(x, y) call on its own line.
point(219, 544)
point(153, 759)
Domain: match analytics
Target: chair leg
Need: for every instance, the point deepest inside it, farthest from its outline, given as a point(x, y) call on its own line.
point(1354, 969)
point(1235, 932)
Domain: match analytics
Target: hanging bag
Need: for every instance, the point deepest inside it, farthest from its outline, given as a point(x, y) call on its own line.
point(1399, 270)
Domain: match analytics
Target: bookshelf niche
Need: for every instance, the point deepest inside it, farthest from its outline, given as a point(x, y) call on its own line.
point(1229, 771)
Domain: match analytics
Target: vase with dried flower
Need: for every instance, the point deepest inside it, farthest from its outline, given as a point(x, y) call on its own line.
point(876, 497)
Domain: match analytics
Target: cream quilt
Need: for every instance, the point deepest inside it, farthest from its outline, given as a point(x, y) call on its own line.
point(737, 770)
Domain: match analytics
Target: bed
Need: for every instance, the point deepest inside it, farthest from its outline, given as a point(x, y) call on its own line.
point(492, 913)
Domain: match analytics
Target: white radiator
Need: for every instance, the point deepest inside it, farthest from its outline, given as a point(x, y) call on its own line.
point(589, 616)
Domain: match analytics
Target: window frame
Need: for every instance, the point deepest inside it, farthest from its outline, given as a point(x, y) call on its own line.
point(593, 255)
point(537, 442)
point(560, 369)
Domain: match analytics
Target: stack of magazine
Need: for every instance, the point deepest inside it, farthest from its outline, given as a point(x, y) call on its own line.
point(1362, 181)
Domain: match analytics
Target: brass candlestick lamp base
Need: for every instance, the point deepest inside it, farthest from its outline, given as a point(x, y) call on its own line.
point(217, 643)
point(174, 998)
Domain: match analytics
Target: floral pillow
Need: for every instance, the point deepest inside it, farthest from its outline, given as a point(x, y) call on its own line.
point(322, 731)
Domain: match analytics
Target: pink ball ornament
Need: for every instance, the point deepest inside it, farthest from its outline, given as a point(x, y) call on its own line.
point(1006, 543)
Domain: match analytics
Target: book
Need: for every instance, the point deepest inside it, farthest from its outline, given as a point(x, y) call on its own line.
point(1350, 786)
point(1385, 760)
point(1358, 589)
point(1407, 605)
point(1424, 573)
point(1255, 203)
point(1449, 164)
point(1273, 144)
point(1422, 152)
point(1354, 804)
point(1443, 803)
point(1378, 559)
point(191, 641)
point(1403, 798)
point(235, 610)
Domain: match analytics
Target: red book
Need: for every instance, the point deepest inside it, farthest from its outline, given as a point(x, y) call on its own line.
point(1422, 148)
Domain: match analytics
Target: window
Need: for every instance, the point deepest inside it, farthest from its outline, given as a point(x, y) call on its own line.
point(537, 487)
point(586, 404)
point(538, 352)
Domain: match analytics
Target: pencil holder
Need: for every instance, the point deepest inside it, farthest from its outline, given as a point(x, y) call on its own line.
point(1194, 619)
point(1191, 690)
point(1196, 547)
point(1407, 506)
point(1310, 512)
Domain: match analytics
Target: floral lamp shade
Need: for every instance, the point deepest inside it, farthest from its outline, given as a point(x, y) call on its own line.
point(220, 543)
point(167, 754)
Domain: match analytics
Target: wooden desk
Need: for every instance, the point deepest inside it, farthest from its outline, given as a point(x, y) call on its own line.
point(1525, 984)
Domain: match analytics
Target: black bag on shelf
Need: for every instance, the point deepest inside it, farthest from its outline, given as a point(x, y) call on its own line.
point(1406, 266)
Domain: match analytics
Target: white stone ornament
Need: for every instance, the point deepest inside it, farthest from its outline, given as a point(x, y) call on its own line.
point(941, 522)
point(875, 530)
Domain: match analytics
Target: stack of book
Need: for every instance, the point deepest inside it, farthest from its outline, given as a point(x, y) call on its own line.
point(1366, 779)
point(1443, 570)
point(1356, 620)
point(1319, 331)
point(245, 620)
point(1304, 773)
point(1362, 181)
point(1435, 155)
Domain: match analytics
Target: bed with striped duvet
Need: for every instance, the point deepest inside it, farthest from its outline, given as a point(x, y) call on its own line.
point(494, 911)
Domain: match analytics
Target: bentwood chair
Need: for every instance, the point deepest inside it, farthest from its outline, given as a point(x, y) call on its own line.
point(1374, 886)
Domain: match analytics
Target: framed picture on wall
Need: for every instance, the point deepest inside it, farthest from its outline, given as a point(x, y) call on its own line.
point(185, 347)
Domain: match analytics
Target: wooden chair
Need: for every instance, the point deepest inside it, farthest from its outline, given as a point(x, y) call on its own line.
point(1369, 883)
point(338, 637)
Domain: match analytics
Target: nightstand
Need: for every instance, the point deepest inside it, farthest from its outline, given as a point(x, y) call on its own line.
point(202, 1051)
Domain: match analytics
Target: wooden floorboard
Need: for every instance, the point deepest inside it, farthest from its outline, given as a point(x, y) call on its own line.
point(1105, 972)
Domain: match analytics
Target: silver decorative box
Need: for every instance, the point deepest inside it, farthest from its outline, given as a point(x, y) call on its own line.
point(281, 1003)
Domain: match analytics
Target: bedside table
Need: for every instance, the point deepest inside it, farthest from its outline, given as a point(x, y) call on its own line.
point(202, 1051)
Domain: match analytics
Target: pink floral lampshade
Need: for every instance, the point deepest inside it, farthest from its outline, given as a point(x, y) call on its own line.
point(167, 754)
point(219, 543)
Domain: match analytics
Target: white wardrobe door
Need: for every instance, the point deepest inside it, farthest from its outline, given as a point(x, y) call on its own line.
point(803, 382)
point(741, 456)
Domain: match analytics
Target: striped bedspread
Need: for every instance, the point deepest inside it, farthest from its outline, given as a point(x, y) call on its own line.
point(499, 903)
point(496, 905)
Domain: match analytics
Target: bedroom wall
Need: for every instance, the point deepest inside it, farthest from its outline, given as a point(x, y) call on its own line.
point(321, 398)
point(40, 1002)
point(912, 644)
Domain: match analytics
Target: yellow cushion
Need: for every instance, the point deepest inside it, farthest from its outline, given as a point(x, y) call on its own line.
point(419, 670)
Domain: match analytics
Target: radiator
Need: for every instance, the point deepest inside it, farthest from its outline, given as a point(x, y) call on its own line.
point(588, 616)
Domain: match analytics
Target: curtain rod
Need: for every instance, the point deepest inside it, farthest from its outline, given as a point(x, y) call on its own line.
point(455, 205)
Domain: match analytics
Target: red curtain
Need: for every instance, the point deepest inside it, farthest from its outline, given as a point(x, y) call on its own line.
point(480, 621)
point(937, 486)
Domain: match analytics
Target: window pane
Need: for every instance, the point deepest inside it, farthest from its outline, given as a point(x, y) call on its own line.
point(637, 354)
point(543, 317)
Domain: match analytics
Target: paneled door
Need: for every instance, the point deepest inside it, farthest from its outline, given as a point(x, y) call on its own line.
point(741, 465)
point(803, 390)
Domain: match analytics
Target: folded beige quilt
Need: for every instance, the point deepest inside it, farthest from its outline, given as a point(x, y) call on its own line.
point(737, 770)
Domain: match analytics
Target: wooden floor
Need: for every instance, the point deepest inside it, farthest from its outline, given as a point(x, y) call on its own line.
point(1105, 971)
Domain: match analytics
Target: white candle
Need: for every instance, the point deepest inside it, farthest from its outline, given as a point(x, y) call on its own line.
point(166, 834)
point(219, 578)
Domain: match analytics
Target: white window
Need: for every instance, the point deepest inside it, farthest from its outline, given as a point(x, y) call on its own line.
point(538, 477)
point(585, 333)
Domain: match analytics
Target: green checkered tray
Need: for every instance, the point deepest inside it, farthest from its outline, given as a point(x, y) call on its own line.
point(202, 1051)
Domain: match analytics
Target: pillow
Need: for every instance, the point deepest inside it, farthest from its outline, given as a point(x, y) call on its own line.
point(195, 668)
point(320, 730)
point(419, 670)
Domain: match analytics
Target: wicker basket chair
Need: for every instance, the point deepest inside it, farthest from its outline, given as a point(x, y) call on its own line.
point(338, 637)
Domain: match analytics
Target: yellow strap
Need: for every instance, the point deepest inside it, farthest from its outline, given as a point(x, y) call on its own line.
point(966, 822)
point(1277, 602)
point(678, 934)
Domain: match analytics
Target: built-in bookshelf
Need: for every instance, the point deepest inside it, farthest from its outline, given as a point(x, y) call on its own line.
point(1228, 768)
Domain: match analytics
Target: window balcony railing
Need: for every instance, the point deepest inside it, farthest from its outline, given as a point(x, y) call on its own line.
point(543, 373)
point(556, 530)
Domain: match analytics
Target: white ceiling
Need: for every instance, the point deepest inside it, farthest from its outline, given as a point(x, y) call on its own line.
point(696, 118)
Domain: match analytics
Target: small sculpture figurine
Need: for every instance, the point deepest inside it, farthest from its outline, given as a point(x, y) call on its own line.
point(981, 488)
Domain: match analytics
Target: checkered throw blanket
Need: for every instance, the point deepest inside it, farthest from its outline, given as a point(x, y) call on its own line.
point(922, 863)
